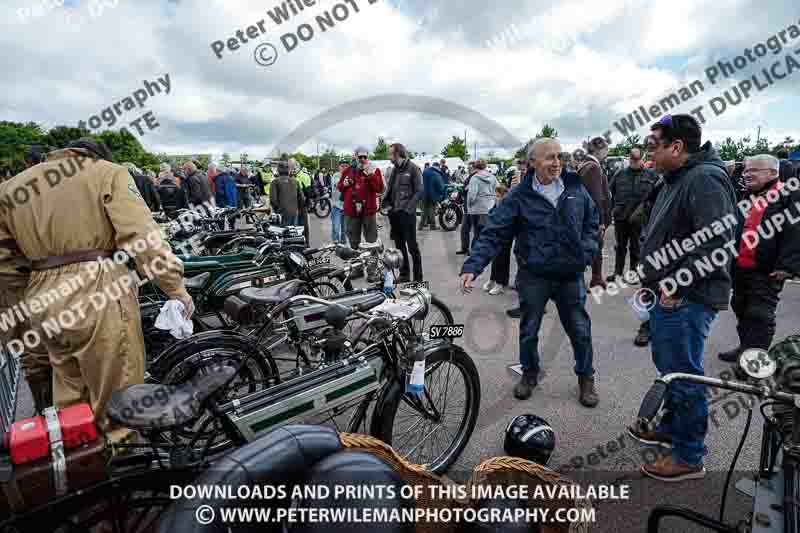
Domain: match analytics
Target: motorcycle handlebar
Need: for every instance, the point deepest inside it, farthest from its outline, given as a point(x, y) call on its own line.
point(655, 396)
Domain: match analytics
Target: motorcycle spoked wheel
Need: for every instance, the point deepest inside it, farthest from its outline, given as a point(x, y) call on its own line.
point(322, 208)
point(449, 218)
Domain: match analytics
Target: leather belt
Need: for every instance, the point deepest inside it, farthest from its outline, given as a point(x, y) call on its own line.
point(70, 259)
point(10, 244)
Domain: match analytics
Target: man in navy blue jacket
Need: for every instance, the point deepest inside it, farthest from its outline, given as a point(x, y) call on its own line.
point(433, 183)
point(555, 224)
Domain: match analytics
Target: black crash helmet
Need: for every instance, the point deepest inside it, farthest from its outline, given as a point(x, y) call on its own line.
point(530, 437)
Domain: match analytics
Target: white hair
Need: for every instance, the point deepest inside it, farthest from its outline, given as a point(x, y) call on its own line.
point(539, 142)
point(774, 162)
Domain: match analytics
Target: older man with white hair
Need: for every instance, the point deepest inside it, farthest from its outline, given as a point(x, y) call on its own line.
point(555, 224)
point(196, 187)
point(768, 240)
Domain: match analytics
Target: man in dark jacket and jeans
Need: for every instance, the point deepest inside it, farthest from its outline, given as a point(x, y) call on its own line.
point(403, 191)
point(695, 212)
point(629, 188)
point(555, 224)
point(768, 240)
point(433, 182)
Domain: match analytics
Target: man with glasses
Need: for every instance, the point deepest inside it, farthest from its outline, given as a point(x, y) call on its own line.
point(769, 253)
point(629, 188)
point(361, 184)
point(697, 195)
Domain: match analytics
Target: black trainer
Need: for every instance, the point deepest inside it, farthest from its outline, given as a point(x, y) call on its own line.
point(514, 313)
point(643, 337)
point(528, 382)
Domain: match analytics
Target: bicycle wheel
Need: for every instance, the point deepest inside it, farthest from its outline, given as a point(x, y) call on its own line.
point(433, 430)
point(326, 289)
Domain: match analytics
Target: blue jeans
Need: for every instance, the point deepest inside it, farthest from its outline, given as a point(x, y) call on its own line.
point(570, 298)
point(677, 337)
point(337, 225)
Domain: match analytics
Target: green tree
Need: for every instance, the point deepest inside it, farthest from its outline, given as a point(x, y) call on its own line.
point(15, 139)
point(730, 150)
point(61, 136)
point(455, 148)
point(127, 148)
point(761, 147)
point(381, 152)
point(623, 148)
point(547, 131)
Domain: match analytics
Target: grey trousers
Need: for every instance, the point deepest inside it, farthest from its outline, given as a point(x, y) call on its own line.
point(354, 226)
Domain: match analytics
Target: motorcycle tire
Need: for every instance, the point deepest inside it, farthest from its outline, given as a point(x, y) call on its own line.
point(450, 218)
point(322, 208)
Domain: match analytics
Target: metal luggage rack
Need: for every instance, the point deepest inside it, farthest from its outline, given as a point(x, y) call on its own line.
point(10, 378)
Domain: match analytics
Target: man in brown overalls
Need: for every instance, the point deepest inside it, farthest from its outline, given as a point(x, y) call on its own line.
point(14, 276)
point(80, 211)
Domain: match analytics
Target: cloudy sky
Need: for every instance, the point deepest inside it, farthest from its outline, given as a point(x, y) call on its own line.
point(415, 71)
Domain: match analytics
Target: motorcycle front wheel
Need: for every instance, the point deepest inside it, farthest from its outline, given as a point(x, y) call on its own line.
point(450, 218)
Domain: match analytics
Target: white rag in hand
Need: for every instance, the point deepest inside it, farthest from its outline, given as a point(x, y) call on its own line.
point(171, 318)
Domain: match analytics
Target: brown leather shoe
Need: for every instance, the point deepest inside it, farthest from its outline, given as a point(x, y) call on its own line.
point(651, 438)
point(586, 393)
point(666, 470)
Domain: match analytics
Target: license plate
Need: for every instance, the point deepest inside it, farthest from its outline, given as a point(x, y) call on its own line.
point(270, 279)
point(415, 285)
point(450, 331)
point(320, 261)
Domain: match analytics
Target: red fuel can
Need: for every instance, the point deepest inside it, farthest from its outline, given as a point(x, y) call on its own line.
point(28, 440)
point(77, 425)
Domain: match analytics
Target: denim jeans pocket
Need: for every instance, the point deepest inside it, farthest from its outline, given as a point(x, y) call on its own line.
point(681, 306)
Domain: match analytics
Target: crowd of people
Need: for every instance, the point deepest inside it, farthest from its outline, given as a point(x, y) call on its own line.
point(557, 213)
point(549, 211)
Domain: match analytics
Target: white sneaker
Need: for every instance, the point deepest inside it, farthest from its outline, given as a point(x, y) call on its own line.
point(497, 289)
point(488, 286)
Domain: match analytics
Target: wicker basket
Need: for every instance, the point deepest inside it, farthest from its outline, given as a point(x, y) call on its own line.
point(512, 470)
point(495, 471)
point(412, 474)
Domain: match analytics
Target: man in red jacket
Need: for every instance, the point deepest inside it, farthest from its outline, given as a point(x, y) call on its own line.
point(361, 185)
